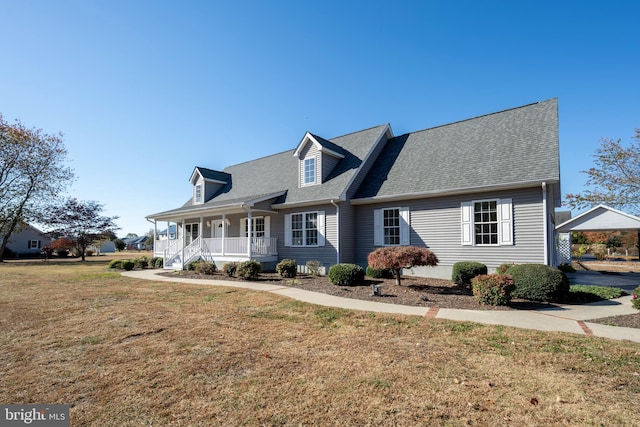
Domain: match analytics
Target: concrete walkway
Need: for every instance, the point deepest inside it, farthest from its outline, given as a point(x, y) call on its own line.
point(566, 318)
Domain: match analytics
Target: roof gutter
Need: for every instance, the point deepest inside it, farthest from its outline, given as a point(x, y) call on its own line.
point(452, 192)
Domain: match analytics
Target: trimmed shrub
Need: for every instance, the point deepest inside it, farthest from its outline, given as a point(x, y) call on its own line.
point(192, 265)
point(205, 267)
point(346, 274)
point(313, 267)
point(396, 258)
point(230, 268)
point(127, 265)
point(464, 271)
point(537, 282)
point(156, 262)
point(635, 298)
point(249, 270)
point(116, 263)
point(493, 289)
point(287, 268)
point(141, 262)
point(504, 267)
point(378, 273)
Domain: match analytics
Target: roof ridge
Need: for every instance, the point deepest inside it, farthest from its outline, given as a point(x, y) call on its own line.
point(358, 131)
point(476, 117)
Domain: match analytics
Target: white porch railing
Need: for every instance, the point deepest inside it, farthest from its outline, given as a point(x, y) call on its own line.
point(176, 256)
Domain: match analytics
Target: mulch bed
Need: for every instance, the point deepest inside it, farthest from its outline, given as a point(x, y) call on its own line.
point(414, 291)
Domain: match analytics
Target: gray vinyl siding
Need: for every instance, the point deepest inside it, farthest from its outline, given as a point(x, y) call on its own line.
point(349, 233)
point(325, 254)
point(327, 163)
point(436, 224)
point(308, 152)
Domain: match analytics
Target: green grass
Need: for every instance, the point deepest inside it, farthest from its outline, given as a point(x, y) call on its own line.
point(592, 293)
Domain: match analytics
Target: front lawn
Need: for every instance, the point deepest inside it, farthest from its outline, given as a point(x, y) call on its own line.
point(122, 351)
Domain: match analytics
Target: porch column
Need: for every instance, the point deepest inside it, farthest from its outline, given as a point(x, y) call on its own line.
point(155, 235)
point(184, 240)
point(249, 232)
point(224, 231)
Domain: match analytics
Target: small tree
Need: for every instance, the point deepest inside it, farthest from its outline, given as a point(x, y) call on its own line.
point(81, 222)
point(396, 258)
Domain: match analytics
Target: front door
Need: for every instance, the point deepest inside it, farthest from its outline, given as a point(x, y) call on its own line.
point(217, 230)
point(192, 231)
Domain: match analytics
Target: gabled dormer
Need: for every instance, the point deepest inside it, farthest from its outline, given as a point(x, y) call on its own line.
point(206, 183)
point(316, 159)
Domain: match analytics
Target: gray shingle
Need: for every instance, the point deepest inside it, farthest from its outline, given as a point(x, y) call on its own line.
point(504, 148)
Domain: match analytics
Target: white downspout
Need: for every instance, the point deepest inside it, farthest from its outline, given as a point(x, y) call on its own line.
point(337, 231)
point(545, 223)
point(224, 231)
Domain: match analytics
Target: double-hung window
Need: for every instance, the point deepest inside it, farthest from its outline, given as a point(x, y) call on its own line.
point(310, 171)
point(198, 195)
point(487, 222)
point(391, 226)
point(304, 229)
point(33, 244)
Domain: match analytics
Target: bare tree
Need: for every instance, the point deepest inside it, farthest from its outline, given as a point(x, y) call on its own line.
point(615, 178)
point(32, 175)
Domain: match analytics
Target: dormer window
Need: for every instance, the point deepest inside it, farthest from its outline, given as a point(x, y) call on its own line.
point(198, 195)
point(310, 171)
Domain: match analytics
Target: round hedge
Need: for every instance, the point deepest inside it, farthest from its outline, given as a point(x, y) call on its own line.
point(346, 274)
point(464, 271)
point(537, 282)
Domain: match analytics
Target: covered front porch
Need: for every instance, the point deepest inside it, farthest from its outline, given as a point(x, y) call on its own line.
point(232, 236)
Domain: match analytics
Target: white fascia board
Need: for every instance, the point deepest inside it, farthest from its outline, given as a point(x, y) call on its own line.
point(308, 137)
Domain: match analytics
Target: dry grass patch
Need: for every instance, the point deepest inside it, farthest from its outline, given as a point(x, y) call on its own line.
point(128, 352)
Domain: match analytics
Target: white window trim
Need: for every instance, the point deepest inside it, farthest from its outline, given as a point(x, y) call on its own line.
point(197, 200)
point(504, 209)
point(33, 244)
point(267, 226)
point(288, 239)
point(378, 226)
point(301, 172)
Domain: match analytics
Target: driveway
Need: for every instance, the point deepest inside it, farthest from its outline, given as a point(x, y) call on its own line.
point(626, 281)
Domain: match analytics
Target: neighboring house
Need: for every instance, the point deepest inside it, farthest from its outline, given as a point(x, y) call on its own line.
point(28, 240)
point(482, 189)
point(135, 243)
point(162, 235)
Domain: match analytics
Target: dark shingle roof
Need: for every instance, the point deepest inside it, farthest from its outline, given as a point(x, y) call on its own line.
point(277, 175)
point(505, 148)
point(213, 174)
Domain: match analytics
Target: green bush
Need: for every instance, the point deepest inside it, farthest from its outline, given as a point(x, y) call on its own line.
point(116, 263)
point(464, 271)
point(230, 268)
point(566, 267)
point(287, 268)
point(205, 267)
point(127, 265)
point(141, 262)
point(156, 262)
point(493, 289)
point(313, 267)
point(504, 267)
point(378, 273)
point(537, 282)
point(249, 270)
point(590, 293)
point(635, 298)
point(346, 274)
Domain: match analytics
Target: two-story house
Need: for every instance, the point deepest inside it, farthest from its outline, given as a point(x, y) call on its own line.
point(482, 189)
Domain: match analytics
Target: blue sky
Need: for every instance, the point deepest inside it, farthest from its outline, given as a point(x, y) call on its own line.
point(144, 91)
